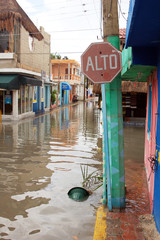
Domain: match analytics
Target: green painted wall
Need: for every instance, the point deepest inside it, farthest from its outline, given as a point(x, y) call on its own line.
point(132, 72)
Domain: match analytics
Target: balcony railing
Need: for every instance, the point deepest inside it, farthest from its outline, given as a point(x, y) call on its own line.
point(62, 77)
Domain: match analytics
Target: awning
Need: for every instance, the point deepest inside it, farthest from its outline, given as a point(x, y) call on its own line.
point(9, 82)
point(24, 80)
point(143, 24)
point(14, 81)
point(142, 33)
point(66, 86)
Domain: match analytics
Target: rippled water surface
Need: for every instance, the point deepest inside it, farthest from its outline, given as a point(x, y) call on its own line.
point(39, 163)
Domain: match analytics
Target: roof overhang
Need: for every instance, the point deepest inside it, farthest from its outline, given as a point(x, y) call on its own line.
point(10, 10)
point(20, 71)
point(143, 23)
point(142, 33)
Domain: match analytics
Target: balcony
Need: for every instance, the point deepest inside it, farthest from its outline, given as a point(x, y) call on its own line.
point(8, 60)
point(71, 78)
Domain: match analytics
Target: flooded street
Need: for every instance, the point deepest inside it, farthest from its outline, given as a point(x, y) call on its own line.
point(41, 159)
point(39, 163)
point(137, 198)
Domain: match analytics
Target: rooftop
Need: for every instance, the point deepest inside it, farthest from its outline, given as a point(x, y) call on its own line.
point(11, 10)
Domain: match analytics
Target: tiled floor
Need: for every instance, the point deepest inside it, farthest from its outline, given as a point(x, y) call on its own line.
point(123, 224)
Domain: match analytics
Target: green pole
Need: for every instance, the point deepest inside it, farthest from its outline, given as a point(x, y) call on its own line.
point(106, 162)
point(115, 135)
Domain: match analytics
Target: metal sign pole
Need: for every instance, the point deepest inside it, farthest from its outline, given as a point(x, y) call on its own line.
point(106, 162)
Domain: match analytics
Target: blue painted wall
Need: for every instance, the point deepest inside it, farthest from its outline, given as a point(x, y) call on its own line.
point(65, 96)
point(156, 200)
point(36, 106)
point(144, 56)
point(143, 23)
point(47, 96)
point(42, 106)
point(129, 20)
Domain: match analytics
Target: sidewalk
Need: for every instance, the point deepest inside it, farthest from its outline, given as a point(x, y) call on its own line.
point(135, 222)
point(126, 223)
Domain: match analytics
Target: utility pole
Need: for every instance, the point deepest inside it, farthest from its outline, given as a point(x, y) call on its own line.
point(113, 93)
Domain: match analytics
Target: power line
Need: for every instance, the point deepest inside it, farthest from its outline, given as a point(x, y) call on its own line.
point(121, 10)
point(55, 9)
point(84, 12)
point(56, 31)
point(101, 16)
point(71, 17)
point(68, 13)
point(95, 8)
point(77, 30)
point(41, 5)
point(50, 53)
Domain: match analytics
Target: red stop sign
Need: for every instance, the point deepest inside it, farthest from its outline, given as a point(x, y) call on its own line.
point(101, 62)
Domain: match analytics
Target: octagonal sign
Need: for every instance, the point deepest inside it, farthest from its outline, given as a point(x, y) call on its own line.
point(101, 62)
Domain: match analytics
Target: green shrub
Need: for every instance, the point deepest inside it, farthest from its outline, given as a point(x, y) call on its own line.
point(53, 96)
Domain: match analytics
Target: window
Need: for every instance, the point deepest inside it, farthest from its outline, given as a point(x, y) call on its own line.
point(31, 98)
point(31, 43)
point(16, 46)
point(19, 102)
point(42, 94)
point(25, 99)
point(8, 102)
point(4, 41)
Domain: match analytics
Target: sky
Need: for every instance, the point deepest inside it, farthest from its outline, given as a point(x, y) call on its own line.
point(72, 24)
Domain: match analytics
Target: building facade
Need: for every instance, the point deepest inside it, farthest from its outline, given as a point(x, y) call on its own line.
point(142, 35)
point(66, 73)
point(24, 64)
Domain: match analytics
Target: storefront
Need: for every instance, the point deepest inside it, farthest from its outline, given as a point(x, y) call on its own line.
point(65, 87)
point(16, 96)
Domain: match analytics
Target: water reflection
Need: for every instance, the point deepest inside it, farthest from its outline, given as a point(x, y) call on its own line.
point(23, 164)
point(39, 162)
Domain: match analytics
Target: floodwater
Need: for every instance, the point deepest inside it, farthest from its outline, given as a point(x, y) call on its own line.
point(137, 198)
point(41, 159)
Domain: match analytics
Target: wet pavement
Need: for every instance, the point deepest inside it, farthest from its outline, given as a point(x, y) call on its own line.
point(125, 224)
point(40, 161)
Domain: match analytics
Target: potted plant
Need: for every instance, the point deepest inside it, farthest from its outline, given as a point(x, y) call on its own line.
point(53, 97)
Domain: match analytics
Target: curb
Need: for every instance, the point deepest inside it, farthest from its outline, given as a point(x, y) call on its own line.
point(100, 232)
